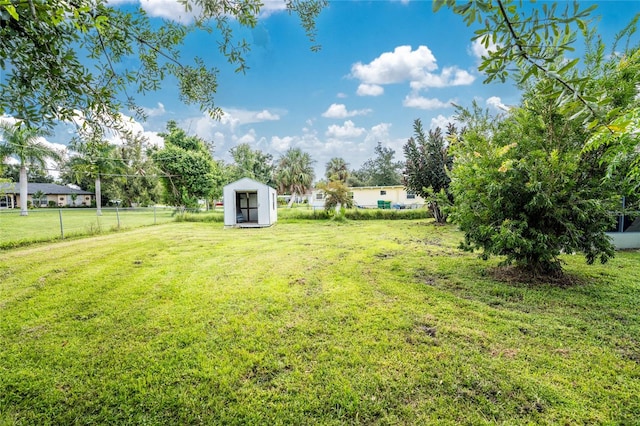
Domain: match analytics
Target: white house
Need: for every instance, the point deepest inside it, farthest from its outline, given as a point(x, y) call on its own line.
point(248, 203)
point(392, 196)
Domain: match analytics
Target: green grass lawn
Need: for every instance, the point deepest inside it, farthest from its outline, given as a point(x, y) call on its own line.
point(371, 322)
point(44, 224)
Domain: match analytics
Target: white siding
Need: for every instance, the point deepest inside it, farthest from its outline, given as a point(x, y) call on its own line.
point(264, 202)
point(370, 195)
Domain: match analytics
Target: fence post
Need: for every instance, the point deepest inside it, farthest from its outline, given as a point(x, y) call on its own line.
point(61, 226)
point(118, 217)
point(621, 216)
point(154, 215)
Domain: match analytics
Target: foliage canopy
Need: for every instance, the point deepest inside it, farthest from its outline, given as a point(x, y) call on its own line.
point(427, 167)
point(294, 173)
point(188, 171)
point(87, 59)
point(523, 189)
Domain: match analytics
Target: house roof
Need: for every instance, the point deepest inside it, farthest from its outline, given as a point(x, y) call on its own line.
point(360, 188)
point(46, 188)
point(377, 187)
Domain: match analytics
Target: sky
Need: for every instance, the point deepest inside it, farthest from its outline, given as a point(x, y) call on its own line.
point(382, 64)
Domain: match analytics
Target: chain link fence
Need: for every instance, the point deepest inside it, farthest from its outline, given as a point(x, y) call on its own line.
point(45, 224)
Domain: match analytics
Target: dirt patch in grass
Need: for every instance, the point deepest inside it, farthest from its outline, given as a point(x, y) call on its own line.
point(385, 255)
point(515, 275)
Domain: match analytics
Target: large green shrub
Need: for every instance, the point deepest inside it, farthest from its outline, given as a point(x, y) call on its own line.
point(523, 189)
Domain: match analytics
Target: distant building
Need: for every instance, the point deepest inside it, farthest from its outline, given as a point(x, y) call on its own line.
point(61, 195)
point(248, 203)
point(392, 196)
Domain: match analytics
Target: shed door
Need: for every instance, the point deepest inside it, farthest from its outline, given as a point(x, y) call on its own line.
point(247, 206)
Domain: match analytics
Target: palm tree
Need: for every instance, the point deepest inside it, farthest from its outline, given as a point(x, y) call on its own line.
point(26, 144)
point(95, 158)
point(337, 169)
point(294, 173)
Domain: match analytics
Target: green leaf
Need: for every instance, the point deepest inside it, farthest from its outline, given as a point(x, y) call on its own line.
point(12, 11)
point(568, 66)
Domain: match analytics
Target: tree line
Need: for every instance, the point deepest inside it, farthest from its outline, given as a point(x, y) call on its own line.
point(182, 173)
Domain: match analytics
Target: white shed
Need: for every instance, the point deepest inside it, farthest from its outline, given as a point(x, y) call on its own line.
point(248, 203)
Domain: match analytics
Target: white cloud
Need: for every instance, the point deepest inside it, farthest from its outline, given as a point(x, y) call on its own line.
point(369, 90)
point(170, 9)
point(219, 138)
point(155, 112)
point(281, 144)
point(496, 102)
point(270, 7)
point(175, 11)
point(11, 161)
point(379, 132)
point(397, 66)
point(441, 121)
point(450, 76)
point(479, 50)
point(348, 130)
point(265, 115)
point(62, 149)
point(235, 117)
point(404, 64)
point(413, 100)
point(249, 137)
point(340, 111)
point(8, 119)
point(341, 95)
point(132, 126)
point(227, 132)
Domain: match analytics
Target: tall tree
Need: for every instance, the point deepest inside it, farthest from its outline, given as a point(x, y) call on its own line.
point(93, 159)
point(427, 166)
point(595, 104)
point(294, 173)
point(189, 173)
point(27, 145)
point(382, 170)
point(337, 170)
point(76, 55)
point(251, 163)
point(139, 183)
point(523, 189)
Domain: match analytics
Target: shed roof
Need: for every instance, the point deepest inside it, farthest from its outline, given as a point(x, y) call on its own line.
point(248, 183)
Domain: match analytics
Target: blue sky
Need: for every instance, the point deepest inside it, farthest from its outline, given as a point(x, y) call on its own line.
point(382, 65)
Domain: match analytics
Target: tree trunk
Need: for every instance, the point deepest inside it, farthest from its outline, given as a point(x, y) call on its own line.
point(98, 197)
point(437, 214)
point(23, 191)
point(293, 197)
